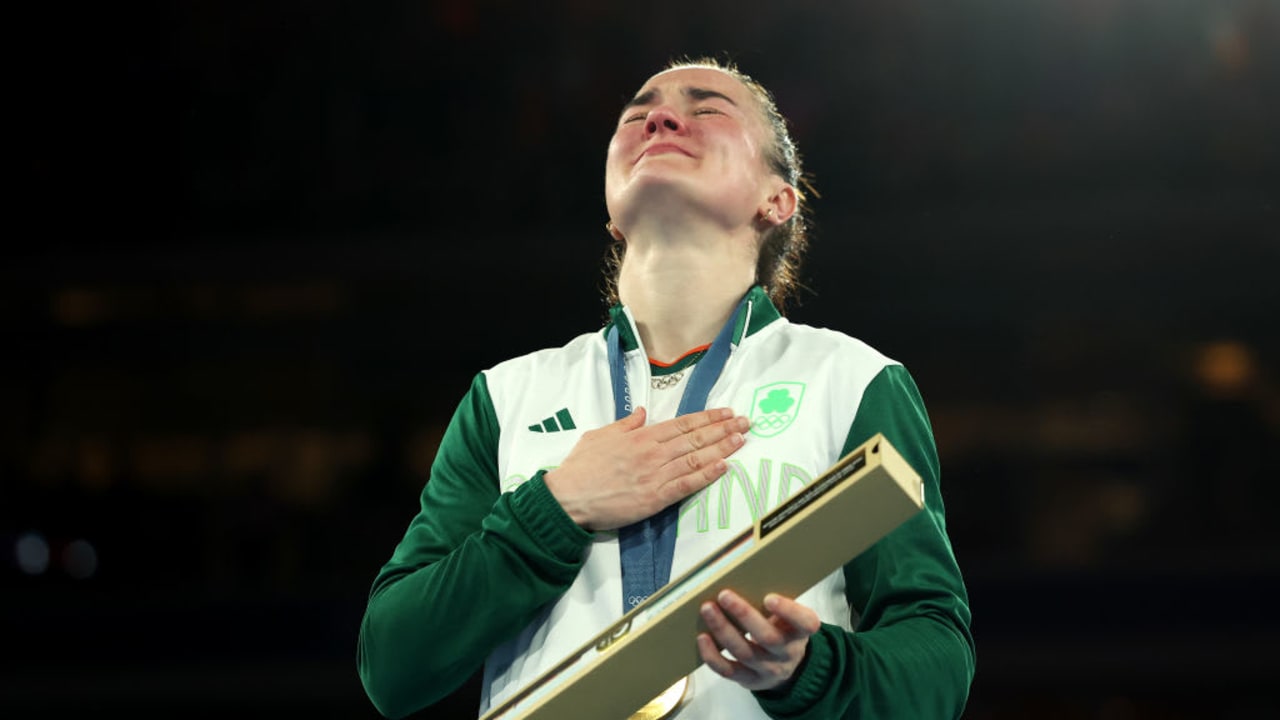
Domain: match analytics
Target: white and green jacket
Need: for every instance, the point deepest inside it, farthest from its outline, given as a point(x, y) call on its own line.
point(492, 571)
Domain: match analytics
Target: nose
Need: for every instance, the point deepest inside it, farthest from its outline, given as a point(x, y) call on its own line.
point(662, 119)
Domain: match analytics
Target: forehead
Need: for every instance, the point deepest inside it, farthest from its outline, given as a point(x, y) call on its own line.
point(672, 81)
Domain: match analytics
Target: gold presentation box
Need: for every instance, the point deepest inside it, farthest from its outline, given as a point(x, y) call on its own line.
point(832, 520)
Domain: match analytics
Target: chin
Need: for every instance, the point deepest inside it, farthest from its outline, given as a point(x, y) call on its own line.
point(649, 186)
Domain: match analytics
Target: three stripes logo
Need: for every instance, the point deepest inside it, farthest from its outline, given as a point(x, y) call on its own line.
point(562, 420)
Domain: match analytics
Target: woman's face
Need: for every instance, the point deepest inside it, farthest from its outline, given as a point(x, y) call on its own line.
point(692, 139)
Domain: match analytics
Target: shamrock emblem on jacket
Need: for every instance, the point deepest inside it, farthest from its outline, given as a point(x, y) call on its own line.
point(777, 401)
point(775, 407)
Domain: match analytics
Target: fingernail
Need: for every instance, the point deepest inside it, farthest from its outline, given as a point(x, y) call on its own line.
point(738, 439)
point(724, 597)
point(771, 602)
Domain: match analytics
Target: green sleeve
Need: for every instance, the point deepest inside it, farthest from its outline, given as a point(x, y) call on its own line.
point(911, 654)
point(473, 569)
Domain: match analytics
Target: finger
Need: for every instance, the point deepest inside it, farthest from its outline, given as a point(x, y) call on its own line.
point(719, 664)
point(677, 426)
point(696, 451)
point(699, 470)
point(633, 421)
point(764, 633)
point(686, 474)
point(727, 635)
point(707, 436)
point(682, 457)
point(800, 619)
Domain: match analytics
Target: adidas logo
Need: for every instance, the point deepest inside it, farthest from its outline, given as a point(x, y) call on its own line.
point(562, 420)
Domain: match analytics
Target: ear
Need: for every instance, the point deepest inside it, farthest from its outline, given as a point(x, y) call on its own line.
point(780, 206)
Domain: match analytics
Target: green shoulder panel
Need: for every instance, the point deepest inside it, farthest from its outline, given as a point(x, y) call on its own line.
point(461, 489)
point(911, 653)
point(470, 552)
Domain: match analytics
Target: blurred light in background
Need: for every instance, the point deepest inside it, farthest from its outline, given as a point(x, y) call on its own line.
point(83, 307)
point(32, 553)
point(79, 559)
point(1226, 368)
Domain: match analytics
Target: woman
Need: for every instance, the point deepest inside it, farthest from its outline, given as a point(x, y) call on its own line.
point(572, 482)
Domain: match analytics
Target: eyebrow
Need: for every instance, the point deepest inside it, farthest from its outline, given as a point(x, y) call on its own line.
point(703, 94)
point(695, 93)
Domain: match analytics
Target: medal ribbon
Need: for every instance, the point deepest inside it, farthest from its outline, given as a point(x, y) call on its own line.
point(647, 546)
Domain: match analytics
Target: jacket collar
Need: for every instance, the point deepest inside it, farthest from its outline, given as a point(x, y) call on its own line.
point(757, 313)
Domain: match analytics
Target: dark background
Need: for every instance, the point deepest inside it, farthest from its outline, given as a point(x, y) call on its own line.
point(257, 251)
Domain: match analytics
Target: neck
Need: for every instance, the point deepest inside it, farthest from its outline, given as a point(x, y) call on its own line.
point(681, 294)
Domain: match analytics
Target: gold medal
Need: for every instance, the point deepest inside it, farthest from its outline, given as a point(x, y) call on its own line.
point(665, 704)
